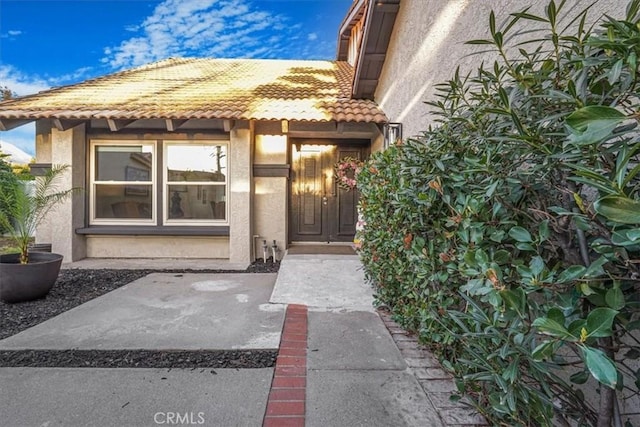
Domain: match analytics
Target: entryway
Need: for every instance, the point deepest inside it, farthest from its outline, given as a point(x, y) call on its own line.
point(319, 210)
point(324, 249)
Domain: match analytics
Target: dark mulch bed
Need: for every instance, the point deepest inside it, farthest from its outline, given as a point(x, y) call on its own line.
point(75, 287)
point(139, 358)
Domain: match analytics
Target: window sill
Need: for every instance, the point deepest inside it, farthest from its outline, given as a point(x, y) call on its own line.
point(138, 230)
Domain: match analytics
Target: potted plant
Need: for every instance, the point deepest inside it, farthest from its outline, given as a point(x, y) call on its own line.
point(28, 275)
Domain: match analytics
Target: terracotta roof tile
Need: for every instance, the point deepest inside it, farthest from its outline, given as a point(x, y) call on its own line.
point(195, 88)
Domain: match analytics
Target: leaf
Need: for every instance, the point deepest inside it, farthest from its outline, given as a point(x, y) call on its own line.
point(479, 42)
point(595, 269)
point(581, 118)
point(625, 237)
point(615, 298)
point(579, 377)
point(575, 327)
point(635, 324)
point(543, 230)
point(543, 351)
point(600, 366)
point(520, 234)
point(515, 299)
point(501, 256)
point(593, 123)
point(481, 257)
point(551, 327)
point(599, 322)
point(619, 209)
point(614, 73)
point(536, 265)
point(525, 247)
point(571, 273)
point(586, 289)
point(556, 315)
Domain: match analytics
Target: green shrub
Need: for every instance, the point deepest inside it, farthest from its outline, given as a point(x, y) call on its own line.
point(8, 181)
point(508, 235)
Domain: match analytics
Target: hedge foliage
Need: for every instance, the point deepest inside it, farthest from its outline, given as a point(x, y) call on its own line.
point(508, 235)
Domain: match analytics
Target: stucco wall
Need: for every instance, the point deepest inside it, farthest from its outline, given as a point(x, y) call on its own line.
point(270, 193)
point(270, 212)
point(240, 190)
point(64, 148)
point(156, 247)
point(43, 155)
point(428, 44)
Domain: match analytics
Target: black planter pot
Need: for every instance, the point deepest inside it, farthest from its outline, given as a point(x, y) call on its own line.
point(26, 282)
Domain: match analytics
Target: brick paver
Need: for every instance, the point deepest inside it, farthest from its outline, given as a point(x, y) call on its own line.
point(287, 398)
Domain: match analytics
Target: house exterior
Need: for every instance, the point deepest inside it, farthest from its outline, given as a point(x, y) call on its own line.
point(200, 158)
point(206, 158)
point(427, 44)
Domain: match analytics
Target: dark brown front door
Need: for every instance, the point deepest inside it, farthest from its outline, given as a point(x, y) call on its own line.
point(320, 210)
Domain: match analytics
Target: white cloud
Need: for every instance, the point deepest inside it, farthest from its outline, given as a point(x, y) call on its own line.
point(22, 137)
point(313, 36)
point(73, 77)
point(10, 34)
point(21, 83)
point(25, 84)
point(219, 28)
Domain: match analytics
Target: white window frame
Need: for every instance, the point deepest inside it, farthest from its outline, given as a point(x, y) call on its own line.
point(166, 183)
point(93, 182)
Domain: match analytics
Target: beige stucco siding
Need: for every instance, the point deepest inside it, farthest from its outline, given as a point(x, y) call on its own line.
point(271, 208)
point(157, 247)
point(270, 193)
point(428, 44)
point(64, 148)
point(240, 190)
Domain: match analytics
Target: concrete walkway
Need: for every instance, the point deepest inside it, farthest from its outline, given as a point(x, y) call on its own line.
point(356, 373)
point(339, 363)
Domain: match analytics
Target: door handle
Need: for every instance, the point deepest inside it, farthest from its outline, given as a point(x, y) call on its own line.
point(324, 185)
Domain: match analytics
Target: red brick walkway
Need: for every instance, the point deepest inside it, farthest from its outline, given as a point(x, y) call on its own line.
point(286, 404)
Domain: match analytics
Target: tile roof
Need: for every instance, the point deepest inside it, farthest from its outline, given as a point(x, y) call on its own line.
point(195, 88)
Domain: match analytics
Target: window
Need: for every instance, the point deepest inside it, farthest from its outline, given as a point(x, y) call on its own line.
point(191, 189)
point(122, 183)
point(196, 183)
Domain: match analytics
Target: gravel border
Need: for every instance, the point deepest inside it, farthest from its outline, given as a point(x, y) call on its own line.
point(138, 358)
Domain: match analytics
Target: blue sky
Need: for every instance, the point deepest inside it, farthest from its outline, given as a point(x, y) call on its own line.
point(49, 43)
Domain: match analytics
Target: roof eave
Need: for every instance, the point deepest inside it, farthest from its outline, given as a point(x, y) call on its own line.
point(381, 16)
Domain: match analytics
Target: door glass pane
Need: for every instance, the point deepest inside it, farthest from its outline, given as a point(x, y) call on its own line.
point(123, 163)
point(196, 202)
point(123, 201)
point(196, 162)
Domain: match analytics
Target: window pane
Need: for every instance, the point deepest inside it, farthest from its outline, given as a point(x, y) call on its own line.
point(197, 162)
point(123, 201)
point(197, 202)
point(123, 163)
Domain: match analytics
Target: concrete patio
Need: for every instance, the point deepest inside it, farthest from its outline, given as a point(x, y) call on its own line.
point(353, 372)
